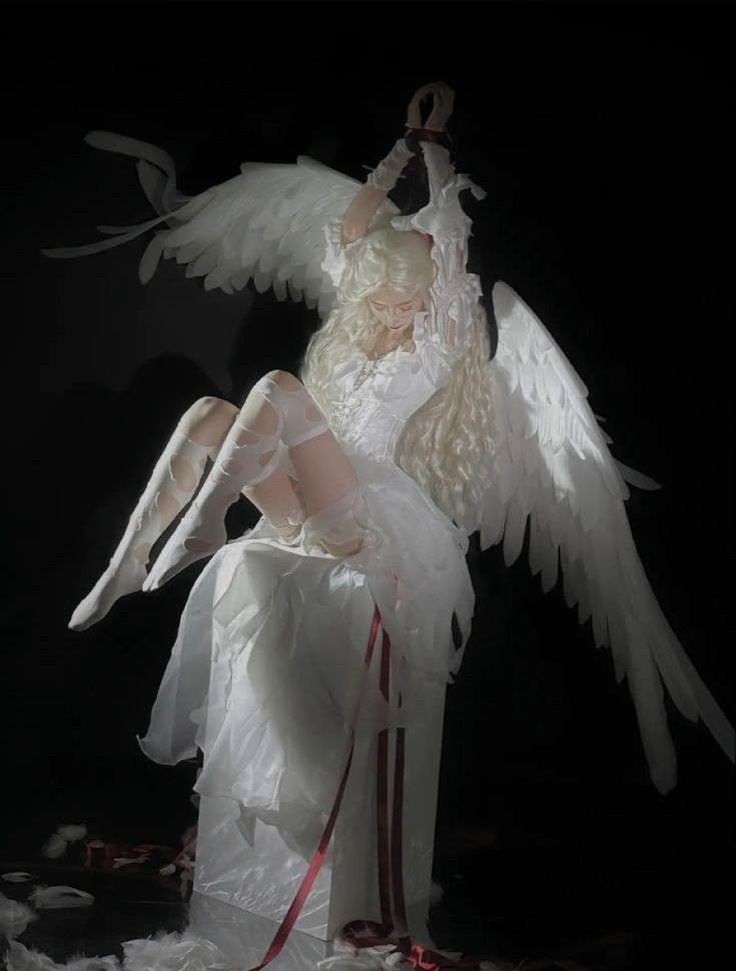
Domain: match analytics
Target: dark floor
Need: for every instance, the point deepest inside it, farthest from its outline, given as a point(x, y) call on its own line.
point(512, 897)
point(131, 906)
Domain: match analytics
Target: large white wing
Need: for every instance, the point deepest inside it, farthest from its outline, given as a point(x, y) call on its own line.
point(266, 224)
point(551, 466)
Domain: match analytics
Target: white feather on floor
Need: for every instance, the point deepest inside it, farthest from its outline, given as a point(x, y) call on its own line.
point(183, 951)
point(55, 847)
point(14, 917)
point(71, 832)
point(381, 958)
point(57, 844)
point(21, 958)
point(53, 898)
point(174, 952)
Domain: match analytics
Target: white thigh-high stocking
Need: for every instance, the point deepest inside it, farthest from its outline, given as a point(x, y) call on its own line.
point(278, 499)
point(341, 528)
point(278, 412)
point(172, 484)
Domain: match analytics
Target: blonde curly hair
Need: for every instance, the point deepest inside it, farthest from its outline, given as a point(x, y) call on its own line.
point(444, 439)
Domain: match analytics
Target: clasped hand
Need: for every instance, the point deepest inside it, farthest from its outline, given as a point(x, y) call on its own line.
point(443, 100)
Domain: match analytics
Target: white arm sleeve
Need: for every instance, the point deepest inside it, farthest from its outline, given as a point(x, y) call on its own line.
point(441, 335)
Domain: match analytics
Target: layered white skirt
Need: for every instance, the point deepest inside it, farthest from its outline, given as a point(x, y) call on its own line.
point(267, 676)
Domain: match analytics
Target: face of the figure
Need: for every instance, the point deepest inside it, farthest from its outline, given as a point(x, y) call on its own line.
point(393, 309)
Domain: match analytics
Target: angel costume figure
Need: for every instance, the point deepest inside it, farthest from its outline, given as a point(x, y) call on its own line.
point(399, 440)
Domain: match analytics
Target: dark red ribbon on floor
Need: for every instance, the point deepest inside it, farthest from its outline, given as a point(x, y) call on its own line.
point(368, 933)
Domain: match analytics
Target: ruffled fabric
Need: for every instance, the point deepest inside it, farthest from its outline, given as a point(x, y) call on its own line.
point(336, 251)
point(273, 639)
point(374, 399)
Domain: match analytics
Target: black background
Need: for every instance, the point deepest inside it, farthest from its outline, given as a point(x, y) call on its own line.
point(600, 133)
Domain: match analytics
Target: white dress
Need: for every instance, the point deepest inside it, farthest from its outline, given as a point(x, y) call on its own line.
point(267, 670)
point(414, 568)
point(267, 675)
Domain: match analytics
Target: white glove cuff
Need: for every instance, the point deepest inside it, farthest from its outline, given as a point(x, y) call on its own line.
point(386, 173)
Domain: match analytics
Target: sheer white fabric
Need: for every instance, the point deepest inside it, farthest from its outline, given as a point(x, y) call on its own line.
point(387, 173)
point(375, 398)
point(273, 635)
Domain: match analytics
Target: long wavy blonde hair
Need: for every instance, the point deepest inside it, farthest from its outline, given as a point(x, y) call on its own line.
point(443, 441)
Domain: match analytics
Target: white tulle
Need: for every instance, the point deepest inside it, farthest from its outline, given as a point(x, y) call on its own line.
point(272, 639)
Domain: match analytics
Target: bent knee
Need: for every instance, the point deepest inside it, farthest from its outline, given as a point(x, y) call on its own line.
point(208, 420)
point(285, 380)
point(210, 407)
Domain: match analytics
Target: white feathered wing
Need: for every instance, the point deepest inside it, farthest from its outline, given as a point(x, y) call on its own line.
point(266, 224)
point(551, 465)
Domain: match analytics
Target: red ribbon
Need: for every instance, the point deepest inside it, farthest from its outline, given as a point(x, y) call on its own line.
point(416, 958)
point(367, 933)
point(364, 933)
point(318, 859)
point(382, 834)
point(422, 957)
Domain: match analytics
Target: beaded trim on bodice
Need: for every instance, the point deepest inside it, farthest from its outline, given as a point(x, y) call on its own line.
point(376, 397)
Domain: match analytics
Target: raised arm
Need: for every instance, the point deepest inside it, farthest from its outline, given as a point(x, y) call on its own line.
point(442, 335)
point(339, 234)
point(384, 177)
point(378, 184)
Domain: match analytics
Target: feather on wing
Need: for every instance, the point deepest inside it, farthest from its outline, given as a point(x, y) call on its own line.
point(551, 464)
point(266, 224)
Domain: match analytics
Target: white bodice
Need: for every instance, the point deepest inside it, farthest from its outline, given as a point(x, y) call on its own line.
point(375, 398)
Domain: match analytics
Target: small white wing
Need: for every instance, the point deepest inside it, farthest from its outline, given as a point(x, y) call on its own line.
point(266, 224)
point(551, 466)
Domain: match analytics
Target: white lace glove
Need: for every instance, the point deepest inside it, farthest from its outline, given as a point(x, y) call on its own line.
point(386, 173)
